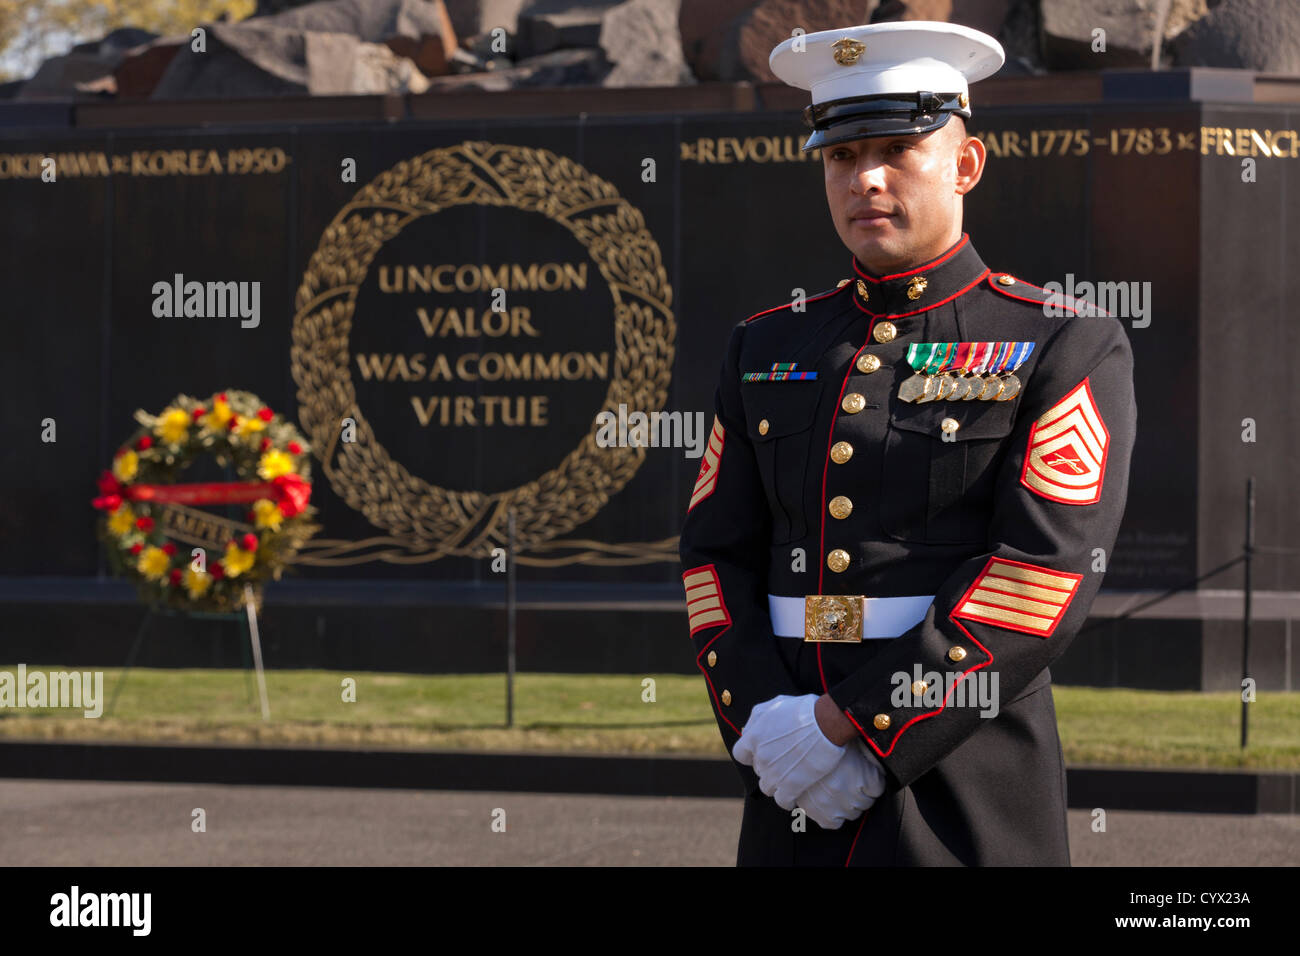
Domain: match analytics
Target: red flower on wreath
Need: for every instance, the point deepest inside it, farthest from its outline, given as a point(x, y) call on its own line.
point(169, 549)
point(108, 484)
point(248, 542)
point(265, 414)
point(293, 493)
point(144, 444)
point(144, 523)
point(295, 448)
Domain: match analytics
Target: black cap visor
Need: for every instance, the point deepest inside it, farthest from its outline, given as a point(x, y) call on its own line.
point(840, 121)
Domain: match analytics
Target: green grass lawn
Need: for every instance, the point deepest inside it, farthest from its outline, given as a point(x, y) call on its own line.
point(604, 714)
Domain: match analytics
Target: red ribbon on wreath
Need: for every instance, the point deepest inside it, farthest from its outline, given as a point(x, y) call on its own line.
point(291, 492)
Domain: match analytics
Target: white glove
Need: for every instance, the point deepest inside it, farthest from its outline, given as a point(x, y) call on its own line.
point(783, 743)
point(847, 791)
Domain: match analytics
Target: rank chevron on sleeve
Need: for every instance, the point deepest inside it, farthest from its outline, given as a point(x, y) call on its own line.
point(708, 476)
point(1018, 596)
point(704, 604)
point(1066, 457)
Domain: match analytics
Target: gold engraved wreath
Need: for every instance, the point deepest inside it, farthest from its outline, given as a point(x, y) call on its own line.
point(470, 523)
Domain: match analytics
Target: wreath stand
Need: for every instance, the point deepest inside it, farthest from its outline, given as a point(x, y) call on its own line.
point(245, 619)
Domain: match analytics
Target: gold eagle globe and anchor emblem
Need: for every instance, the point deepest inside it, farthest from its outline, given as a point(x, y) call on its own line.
point(833, 618)
point(423, 521)
point(848, 51)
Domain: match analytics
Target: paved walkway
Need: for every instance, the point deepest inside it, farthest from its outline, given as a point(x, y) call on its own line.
point(140, 824)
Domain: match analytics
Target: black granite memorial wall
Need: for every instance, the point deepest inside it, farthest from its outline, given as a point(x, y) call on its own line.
point(624, 248)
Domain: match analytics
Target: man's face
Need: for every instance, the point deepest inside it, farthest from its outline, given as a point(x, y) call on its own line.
point(896, 200)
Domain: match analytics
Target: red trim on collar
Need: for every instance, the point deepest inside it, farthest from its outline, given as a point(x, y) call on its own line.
point(902, 315)
point(929, 265)
point(778, 308)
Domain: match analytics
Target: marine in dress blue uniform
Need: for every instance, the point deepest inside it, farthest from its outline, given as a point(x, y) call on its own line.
point(852, 535)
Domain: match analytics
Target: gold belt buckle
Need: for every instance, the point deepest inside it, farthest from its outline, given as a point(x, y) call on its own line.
point(833, 617)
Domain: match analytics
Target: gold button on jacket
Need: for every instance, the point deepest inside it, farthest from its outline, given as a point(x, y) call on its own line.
point(885, 332)
point(868, 363)
point(853, 403)
point(841, 507)
point(838, 560)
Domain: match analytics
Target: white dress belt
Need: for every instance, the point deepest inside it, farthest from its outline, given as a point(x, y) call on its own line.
point(882, 617)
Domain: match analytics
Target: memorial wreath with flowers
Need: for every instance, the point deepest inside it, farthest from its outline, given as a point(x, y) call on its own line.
point(146, 511)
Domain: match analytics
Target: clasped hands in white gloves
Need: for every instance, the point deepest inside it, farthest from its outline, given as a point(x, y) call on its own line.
point(798, 766)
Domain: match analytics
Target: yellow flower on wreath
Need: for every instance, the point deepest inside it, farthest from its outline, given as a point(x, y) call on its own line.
point(126, 465)
point(236, 560)
point(219, 417)
point(267, 514)
point(173, 425)
point(273, 464)
point(122, 520)
point(196, 582)
point(153, 563)
point(249, 427)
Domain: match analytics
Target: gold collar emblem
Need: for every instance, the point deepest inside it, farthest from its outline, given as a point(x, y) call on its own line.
point(862, 290)
point(847, 51)
point(916, 287)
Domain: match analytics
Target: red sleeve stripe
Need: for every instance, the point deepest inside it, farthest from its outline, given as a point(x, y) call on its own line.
point(708, 476)
point(704, 604)
point(1021, 597)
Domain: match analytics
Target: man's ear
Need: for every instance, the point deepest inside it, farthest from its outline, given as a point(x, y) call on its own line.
point(971, 157)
